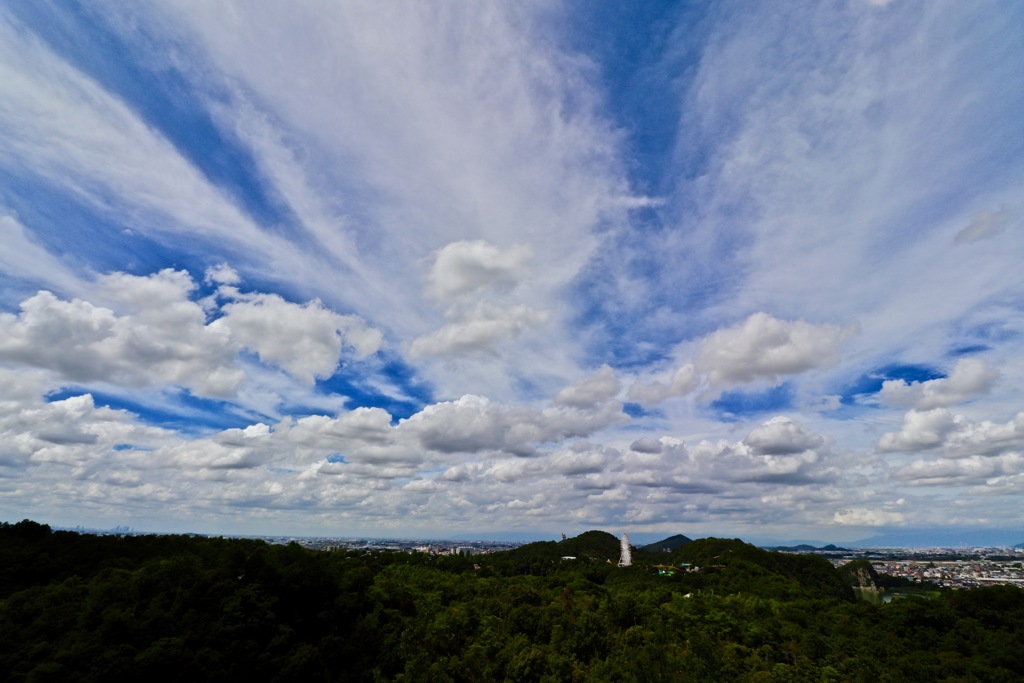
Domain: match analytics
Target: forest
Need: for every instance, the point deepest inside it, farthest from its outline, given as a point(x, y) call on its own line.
point(78, 607)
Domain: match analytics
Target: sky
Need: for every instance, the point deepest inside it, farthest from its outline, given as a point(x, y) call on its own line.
point(423, 269)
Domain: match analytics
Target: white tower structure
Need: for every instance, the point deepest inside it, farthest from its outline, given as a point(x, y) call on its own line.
point(626, 558)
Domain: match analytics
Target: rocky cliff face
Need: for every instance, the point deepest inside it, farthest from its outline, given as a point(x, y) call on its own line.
point(860, 574)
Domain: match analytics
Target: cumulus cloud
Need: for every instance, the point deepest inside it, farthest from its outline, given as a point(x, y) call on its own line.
point(468, 273)
point(476, 424)
point(306, 340)
point(581, 458)
point(360, 426)
point(684, 380)
point(921, 430)
point(760, 348)
point(86, 343)
point(970, 378)
point(148, 294)
point(954, 436)
point(508, 471)
point(361, 457)
point(222, 274)
point(973, 469)
point(599, 387)
point(464, 267)
point(477, 332)
point(326, 456)
point(227, 450)
point(782, 436)
point(71, 432)
point(151, 333)
point(777, 452)
point(738, 462)
point(984, 223)
point(763, 347)
point(646, 445)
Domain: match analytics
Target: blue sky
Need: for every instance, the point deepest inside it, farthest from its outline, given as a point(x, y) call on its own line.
point(414, 269)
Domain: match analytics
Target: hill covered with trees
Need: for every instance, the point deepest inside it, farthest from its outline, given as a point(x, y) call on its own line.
point(105, 608)
point(668, 544)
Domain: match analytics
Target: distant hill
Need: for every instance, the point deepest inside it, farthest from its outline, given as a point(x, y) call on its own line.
point(594, 545)
point(1019, 545)
point(732, 566)
point(668, 544)
point(598, 545)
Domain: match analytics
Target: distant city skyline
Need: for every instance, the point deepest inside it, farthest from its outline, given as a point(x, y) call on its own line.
point(433, 269)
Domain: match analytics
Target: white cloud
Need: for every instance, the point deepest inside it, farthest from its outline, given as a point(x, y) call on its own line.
point(87, 343)
point(779, 452)
point(152, 333)
point(598, 388)
point(954, 436)
point(970, 378)
point(921, 430)
point(222, 274)
point(569, 421)
point(478, 331)
point(760, 348)
point(228, 450)
point(782, 436)
point(684, 380)
point(509, 471)
point(974, 469)
point(305, 340)
point(464, 267)
point(71, 432)
point(763, 347)
point(475, 424)
point(738, 462)
point(370, 426)
point(646, 444)
point(581, 458)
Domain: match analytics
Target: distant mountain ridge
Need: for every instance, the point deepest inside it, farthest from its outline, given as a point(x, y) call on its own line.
point(952, 537)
